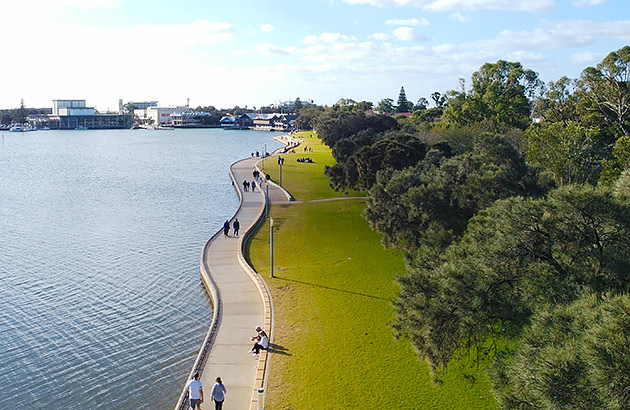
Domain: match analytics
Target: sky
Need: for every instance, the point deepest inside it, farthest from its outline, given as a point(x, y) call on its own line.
point(254, 53)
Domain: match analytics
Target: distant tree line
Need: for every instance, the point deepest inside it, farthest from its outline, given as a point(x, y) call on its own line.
point(511, 201)
point(20, 114)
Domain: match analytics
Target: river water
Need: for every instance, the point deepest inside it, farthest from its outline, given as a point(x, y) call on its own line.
point(101, 304)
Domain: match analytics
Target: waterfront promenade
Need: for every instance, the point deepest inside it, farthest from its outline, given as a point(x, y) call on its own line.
point(240, 298)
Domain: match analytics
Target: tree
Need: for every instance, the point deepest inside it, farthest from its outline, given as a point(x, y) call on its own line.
point(515, 256)
point(386, 105)
point(438, 99)
point(608, 88)
point(499, 94)
point(20, 114)
point(572, 152)
point(431, 204)
point(297, 105)
point(571, 357)
point(129, 107)
point(403, 104)
point(558, 102)
point(421, 105)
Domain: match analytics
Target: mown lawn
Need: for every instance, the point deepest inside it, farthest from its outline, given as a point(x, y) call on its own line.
point(332, 294)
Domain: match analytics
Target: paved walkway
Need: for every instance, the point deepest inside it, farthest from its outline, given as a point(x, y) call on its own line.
point(241, 301)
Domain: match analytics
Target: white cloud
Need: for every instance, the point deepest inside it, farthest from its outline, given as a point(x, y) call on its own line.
point(267, 28)
point(581, 3)
point(586, 57)
point(536, 6)
point(404, 33)
point(458, 16)
point(270, 49)
point(310, 39)
point(408, 22)
point(381, 36)
point(334, 37)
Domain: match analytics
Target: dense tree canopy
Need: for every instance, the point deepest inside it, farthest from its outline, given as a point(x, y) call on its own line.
point(516, 255)
point(499, 94)
point(572, 357)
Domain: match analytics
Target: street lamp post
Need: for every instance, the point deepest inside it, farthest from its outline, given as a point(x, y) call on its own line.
point(271, 247)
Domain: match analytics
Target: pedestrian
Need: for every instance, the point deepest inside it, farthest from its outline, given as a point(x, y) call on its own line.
point(262, 341)
point(226, 228)
point(253, 186)
point(236, 225)
point(244, 185)
point(218, 394)
point(195, 392)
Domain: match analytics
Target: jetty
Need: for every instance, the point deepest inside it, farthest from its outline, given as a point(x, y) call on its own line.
point(241, 300)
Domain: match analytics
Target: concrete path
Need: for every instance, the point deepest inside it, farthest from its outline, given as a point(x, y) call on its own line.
point(241, 302)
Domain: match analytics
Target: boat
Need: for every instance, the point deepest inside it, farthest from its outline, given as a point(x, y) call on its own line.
point(16, 128)
point(81, 128)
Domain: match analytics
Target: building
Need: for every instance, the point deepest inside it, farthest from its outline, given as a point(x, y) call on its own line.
point(74, 114)
point(143, 105)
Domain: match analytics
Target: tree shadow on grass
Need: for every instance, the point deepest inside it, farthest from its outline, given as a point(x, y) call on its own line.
point(335, 289)
point(278, 349)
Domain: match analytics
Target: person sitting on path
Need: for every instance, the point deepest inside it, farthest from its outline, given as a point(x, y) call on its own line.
point(262, 341)
point(236, 225)
point(195, 392)
point(218, 394)
point(226, 228)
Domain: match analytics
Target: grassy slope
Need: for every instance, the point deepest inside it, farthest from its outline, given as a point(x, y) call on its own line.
point(332, 298)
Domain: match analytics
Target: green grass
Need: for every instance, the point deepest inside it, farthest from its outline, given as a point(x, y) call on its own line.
point(332, 297)
point(305, 180)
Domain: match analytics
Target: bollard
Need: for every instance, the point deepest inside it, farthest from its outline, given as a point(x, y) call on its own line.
point(261, 398)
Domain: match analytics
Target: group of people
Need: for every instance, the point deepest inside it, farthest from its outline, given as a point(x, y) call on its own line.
point(261, 341)
point(247, 185)
point(226, 227)
point(195, 393)
point(307, 159)
point(195, 388)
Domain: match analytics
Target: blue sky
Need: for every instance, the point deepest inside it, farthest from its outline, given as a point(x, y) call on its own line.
point(254, 53)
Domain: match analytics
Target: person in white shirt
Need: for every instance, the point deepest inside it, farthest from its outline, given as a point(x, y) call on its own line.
point(218, 394)
point(195, 392)
point(262, 341)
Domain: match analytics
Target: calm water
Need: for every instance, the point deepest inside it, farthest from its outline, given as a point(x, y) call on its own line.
point(101, 304)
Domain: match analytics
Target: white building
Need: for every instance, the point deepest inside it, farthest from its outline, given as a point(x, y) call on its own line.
point(71, 107)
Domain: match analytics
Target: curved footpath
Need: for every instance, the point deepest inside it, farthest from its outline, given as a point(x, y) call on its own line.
point(241, 301)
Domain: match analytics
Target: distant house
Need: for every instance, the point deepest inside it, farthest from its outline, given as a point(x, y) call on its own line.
point(246, 120)
point(228, 121)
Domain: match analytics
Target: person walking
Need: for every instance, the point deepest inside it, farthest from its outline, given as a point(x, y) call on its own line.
point(226, 228)
point(195, 392)
point(236, 225)
point(253, 186)
point(218, 394)
point(245, 185)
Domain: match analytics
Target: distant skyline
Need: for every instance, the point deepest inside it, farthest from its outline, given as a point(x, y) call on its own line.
point(255, 53)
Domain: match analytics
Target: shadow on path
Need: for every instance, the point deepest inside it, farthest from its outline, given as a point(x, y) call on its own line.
point(335, 289)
